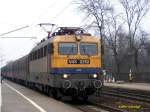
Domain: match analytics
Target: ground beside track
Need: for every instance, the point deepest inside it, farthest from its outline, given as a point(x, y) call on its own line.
point(16, 98)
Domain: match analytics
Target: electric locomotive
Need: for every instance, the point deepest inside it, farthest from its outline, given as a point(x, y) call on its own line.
point(67, 63)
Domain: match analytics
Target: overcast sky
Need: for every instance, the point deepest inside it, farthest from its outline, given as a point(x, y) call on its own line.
point(15, 14)
point(19, 13)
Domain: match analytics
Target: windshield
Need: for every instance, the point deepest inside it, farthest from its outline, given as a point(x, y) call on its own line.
point(88, 48)
point(67, 48)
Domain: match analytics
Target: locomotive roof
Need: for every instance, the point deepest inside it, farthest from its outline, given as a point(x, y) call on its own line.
point(60, 32)
point(42, 44)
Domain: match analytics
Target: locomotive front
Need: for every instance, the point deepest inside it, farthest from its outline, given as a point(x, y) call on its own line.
point(75, 62)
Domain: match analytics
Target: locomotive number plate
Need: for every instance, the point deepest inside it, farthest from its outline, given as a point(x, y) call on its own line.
point(78, 61)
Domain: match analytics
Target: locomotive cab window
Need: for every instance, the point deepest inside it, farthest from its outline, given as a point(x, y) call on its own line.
point(68, 48)
point(88, 48)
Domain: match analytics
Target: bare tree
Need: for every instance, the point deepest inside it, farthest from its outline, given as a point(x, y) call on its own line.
point(144, 47)
point(114, 38)
point(97, 11)
point(135, 10)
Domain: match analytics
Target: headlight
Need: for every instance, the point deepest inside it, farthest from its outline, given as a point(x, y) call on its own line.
point(65, 76)
point(94, 75)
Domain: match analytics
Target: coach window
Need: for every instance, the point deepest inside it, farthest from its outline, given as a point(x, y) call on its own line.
point(30, 56)
point(51, 48)
point(45, 50)
point(41, 52)
point(35, 54)
point(38, 53)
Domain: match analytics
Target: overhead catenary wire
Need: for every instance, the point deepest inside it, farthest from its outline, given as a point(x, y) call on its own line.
point(45, 11)
point(20, 37)
point(14, 30)
point(58, 14)
point(84, 20)
point(25, 27)
point(55, 17)
point(38, 18)
point(2, 35)
point(66, 7)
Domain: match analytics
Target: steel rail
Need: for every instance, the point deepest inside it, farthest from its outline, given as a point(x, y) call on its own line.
point(125, 93)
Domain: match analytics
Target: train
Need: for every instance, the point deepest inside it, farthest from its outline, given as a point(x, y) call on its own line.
point(65, 64)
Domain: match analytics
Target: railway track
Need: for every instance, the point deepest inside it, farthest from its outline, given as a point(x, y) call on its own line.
point(89, 106)
point(108, 104)
point(136, 95)
point(123, 99)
